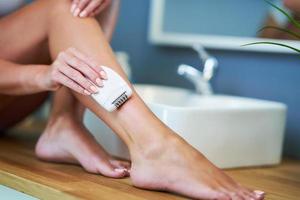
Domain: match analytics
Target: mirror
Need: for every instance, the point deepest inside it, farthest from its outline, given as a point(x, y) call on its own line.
point(220, 24)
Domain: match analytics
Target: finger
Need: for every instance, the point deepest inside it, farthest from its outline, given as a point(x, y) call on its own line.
point(79, 64)
point(96, 11)
point(105, 4)
point(74, 5)
point(64, 80)
point(90, 62)
point(89, 8)
point(80, 6)
point(76, 2)
point(100, 8)
point(77, 77)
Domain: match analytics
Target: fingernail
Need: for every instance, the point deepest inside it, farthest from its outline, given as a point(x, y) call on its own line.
point(99, 82)
point(73, 7)
point(103, 74)
point(259, 192)
point(94, 89)
point(83, 14)
point(76, 12)
point(87, 92)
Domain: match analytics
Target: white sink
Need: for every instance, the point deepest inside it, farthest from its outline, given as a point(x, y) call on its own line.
point(230, 131)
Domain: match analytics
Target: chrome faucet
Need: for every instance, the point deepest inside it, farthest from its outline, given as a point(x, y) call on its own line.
point(201, 80)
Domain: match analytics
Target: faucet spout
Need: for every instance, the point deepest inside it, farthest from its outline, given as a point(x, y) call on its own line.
point(200, 79)
point(202, 86)
point(210, 63)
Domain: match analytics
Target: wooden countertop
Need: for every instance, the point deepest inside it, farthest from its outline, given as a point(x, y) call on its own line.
point(19, 169)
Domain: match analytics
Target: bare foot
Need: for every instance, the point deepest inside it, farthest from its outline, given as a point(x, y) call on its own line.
point(175, 166)
point(68, 141)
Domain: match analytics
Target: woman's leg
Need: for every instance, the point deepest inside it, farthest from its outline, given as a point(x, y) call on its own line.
point(91, 156)
point(14, 109)
point(22, 48)
point(66, 117)
point(160, 159)
point(66, 140)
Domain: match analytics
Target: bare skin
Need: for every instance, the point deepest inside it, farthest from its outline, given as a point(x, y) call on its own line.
point(88, 8)
point(294, 5)
point(66, 140)
point(154, 148)
point(34, 49)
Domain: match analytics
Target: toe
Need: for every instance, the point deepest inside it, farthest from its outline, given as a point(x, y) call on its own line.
point(247, 194)
point(120, 163)
point(250, 194)
point(111, 171)
point(234, 191)
point(236, 196)
point(213, 194)
point(223, 196)
point(259, 194)
point(104, 167)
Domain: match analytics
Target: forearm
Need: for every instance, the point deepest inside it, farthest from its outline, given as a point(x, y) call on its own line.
point(16, 79)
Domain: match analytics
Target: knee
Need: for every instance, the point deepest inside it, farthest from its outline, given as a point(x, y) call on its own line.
point(60, 7)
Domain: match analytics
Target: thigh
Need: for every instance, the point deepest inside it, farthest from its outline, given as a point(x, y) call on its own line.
point(23, 34)
point(13, 109)
point(23, 39)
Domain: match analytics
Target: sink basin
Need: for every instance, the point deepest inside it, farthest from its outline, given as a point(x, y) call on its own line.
point(230, 131)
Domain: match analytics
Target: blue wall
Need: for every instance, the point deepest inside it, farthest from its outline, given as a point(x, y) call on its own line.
point(260, 75)
point(226, 17)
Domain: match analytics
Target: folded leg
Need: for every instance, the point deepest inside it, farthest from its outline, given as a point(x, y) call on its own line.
point(64, 128)
point(161, 160)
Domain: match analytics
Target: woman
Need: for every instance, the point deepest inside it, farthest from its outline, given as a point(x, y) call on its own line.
point(46, 30)
point(294, 5)
point(294, 8)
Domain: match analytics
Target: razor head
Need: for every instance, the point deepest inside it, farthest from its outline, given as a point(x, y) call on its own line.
point(114, 93)
point(120, 100)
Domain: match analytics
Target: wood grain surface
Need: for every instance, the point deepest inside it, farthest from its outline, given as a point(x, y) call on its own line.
point(19, 169)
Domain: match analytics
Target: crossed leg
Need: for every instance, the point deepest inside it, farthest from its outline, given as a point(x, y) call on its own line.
point(161, 160)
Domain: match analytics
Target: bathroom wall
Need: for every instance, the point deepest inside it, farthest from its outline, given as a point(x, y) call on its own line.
point(259, 75)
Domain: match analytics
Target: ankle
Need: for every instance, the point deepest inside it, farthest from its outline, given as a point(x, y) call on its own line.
point(156, 148)
point(62, 117)
point(142, 131)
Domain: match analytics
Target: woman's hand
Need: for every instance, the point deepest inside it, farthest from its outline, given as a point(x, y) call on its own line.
point(88, 8)
point(76, 71)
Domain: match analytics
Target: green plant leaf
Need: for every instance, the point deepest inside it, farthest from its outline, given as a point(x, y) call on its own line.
point(290, 18)
point(273, 43)
point(296, 35)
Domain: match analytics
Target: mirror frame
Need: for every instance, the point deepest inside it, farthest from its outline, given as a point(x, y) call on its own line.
point(157, 36)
